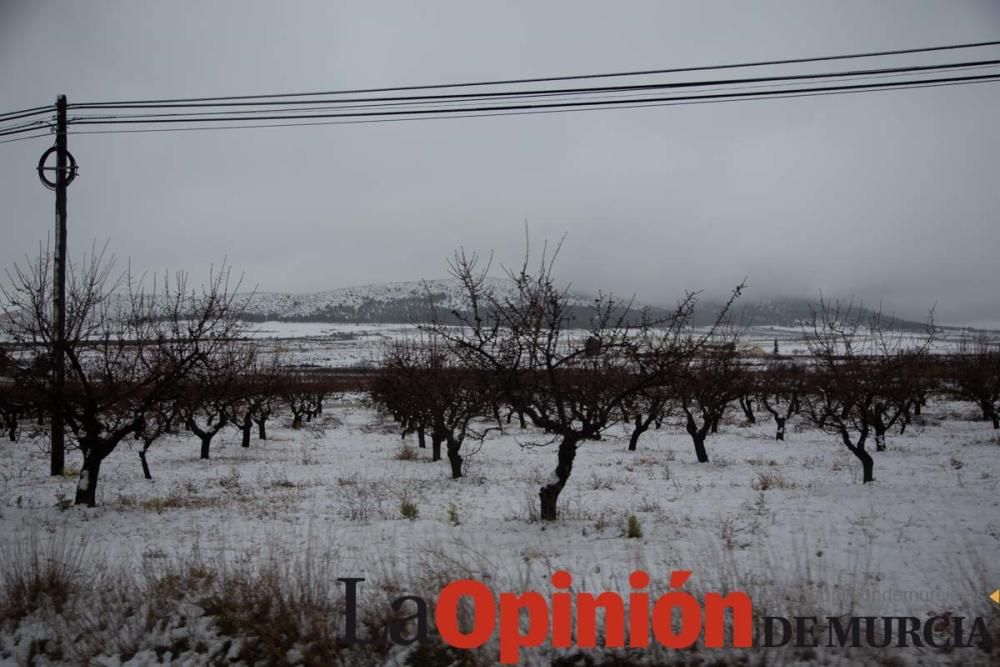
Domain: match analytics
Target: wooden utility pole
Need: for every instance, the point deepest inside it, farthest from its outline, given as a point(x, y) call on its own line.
point(58, 455)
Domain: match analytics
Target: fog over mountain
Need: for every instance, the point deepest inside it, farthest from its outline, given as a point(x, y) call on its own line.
point(422, 301)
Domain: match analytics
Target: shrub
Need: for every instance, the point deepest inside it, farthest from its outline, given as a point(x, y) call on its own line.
point(408, 509)
point(406, 453)
point(771, 480)
point(633, 529)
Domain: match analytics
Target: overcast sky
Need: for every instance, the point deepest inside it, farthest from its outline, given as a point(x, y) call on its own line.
point(892, 196)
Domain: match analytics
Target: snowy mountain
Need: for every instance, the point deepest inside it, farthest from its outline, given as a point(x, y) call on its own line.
point(414, 302)
point(398, 302)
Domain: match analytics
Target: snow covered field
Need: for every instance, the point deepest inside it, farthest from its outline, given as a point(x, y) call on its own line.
point(789, 523)
point(341, 345)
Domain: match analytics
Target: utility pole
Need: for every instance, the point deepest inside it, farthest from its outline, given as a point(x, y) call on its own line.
point(66, 171)
point(58, 456)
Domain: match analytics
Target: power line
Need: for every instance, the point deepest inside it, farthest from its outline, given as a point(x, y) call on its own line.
point(26, 113)
point(532, 100)
point(24, 127)
point(553, 105)
point(463, 103)
point(674, 70)
point(33, 136)
point(564, 91)
point(634, 105)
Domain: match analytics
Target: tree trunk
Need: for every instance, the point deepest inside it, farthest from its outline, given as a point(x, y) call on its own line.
point(261, 430)
point(421, 438)
point(879, 438)
point(454, 458)
point(86, 487)
point(699, 447)
point(780, 421)
point(206, 442)
point(747, 406)
point(917, 407)
point(145, 465)
point(247, 429)
point(867, 466)
point(867, 462)
point(296, 420)
point(637, 430)
point(548, 495)
point(436, 446)
point(698, 436)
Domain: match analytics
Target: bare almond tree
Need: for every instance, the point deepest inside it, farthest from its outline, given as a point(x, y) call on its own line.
point(855, 387)
point(645, 409)
point(254, 395)
point(779, 390)
point(127, 348)
point(157, 421)
point(975, 375)
point(712, 379)
point(567, 369)
point(424, 380)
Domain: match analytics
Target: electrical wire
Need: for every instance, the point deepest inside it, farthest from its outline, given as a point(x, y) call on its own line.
point(461, 103)
point(782, 95)
point(26, 113)
point(566, 91)
point(675, 70)
point(520, 107)
point(21, 129)
point(34, 136)
point(209, 110)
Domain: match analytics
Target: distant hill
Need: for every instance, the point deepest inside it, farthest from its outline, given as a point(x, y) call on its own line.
point(415, 302)
point(400, 302)
point(792, 312)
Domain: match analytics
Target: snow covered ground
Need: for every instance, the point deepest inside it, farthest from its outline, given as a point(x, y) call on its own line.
point(341, 345)
point(789, 523)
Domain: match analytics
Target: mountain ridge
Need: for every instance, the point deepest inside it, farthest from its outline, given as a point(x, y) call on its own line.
point(415, 302)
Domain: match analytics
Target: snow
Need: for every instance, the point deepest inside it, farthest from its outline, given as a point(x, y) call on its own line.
point(789, 523)
point(903, 545)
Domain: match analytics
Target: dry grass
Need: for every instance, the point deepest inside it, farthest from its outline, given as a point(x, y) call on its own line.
point(34, 577)
point(766, 481)
point(406, 452)
point(290, 611)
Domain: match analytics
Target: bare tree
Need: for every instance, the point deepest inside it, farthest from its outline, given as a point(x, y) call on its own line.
point(566, 376)
point(855, 386)
point(644, 409)
point(12, 409)
point(127, 349)
point(255, 393)
point(392, 392)
point(975, 375)
point(13, 402)
point(779, 389)
point(300, 394)
point(894, 358)
point(154, 423)
point(712, 380)
point(429, 385)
